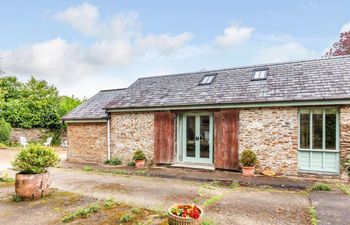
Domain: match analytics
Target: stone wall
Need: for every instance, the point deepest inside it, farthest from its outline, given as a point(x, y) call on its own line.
point(132, 131)
point(273, 134)
point(87, 142)
point(344, 132)
point(34, 134)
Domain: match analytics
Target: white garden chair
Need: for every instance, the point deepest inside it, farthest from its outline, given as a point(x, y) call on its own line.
point(23, 141)
point(48, 142)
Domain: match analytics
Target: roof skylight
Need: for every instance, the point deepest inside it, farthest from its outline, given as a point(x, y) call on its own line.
point(260, 74)
point(207, 79)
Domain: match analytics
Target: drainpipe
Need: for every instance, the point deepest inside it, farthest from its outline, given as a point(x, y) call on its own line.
point(109, 137)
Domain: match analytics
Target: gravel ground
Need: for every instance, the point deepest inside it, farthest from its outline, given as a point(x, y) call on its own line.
point(225, 206)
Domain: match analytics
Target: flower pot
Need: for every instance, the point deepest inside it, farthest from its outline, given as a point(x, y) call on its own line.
point(140, 164)
point(178, 220)
point(32, 186)
point(248, 171)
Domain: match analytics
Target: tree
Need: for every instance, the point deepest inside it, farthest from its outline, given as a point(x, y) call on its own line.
point(342, 47)
point(67, 104)
point(35, 105)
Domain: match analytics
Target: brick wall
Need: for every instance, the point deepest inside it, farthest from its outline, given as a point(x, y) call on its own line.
point(273, 134)
point(132, 131)
point(87, 142)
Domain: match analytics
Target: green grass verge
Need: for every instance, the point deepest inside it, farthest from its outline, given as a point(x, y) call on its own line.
point(81, 213)
point(313, 216)
point(321, 187)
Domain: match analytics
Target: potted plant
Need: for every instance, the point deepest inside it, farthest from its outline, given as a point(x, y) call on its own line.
point(32, 179)
point(140, 159)
point(184, 215)
point(248, 159)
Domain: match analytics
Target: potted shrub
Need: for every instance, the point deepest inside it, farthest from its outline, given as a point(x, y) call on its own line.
point(32, 179)
point(139, 158)
point(184, 215)
point(248, 160)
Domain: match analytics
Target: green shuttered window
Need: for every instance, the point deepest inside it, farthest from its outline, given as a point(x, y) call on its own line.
point(319, 140)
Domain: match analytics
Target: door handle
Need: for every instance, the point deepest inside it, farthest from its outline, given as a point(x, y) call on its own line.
point(197, 138)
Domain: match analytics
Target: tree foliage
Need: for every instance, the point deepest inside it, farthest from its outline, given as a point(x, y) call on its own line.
point(34, 104)
point(5, 130)
point(342, 47)
point(67, 104)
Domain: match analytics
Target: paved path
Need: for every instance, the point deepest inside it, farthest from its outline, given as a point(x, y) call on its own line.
point(243, 206)
point(333, 208)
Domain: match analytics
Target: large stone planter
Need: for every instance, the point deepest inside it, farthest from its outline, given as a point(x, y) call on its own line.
point(32, 186)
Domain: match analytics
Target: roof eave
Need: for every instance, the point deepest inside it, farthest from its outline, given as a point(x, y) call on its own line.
point(294, 102)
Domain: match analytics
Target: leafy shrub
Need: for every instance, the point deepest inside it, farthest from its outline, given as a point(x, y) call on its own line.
point(135, 210)
point(248, 158)
point(131, 163)
point(81, 213)
point(5, 130)
point(35, 159)
point(139, 155)
point(321, 187)
point(16, 198)
point(3, 146)
point(109, 203)
point(6, 178)
point(113, 161)
point(126, 217)
point(88, 168)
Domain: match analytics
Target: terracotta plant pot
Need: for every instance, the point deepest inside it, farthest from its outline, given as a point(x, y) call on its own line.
point(32, 186)
point(178, 220)
point(140, 164)
point(248, 171)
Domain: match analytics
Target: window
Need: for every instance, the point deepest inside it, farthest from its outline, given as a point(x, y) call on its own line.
point(318, 140)
point(259, 74)
point(207, 79)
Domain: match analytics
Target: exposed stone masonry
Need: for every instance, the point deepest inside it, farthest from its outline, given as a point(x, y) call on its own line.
point(132, 131)
point(273, 134)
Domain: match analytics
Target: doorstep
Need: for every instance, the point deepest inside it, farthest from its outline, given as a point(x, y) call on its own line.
point(199, 166)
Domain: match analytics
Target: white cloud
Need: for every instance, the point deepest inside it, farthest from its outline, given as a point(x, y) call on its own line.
point(233, 35)
point(283, 52)
point(109, 53)
point(164, 43)
point(84, 18)
point(345, 27)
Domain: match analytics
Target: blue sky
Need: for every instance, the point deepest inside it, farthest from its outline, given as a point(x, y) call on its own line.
point(84, 46)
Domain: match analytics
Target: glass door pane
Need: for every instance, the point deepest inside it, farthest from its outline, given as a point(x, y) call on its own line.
point(191, 136)
point(204, 137)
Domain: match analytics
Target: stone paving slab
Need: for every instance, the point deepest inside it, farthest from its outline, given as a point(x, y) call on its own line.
point(332, 208)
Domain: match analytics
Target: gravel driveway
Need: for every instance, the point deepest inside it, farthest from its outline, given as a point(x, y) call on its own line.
point(228, 206)
point(248, 206)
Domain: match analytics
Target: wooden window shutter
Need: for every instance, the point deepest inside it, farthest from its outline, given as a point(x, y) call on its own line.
point(164, 137)
point(226, 139)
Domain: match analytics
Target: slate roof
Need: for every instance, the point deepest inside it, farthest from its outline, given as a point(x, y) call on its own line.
point(320, 79)
point(93, 108)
